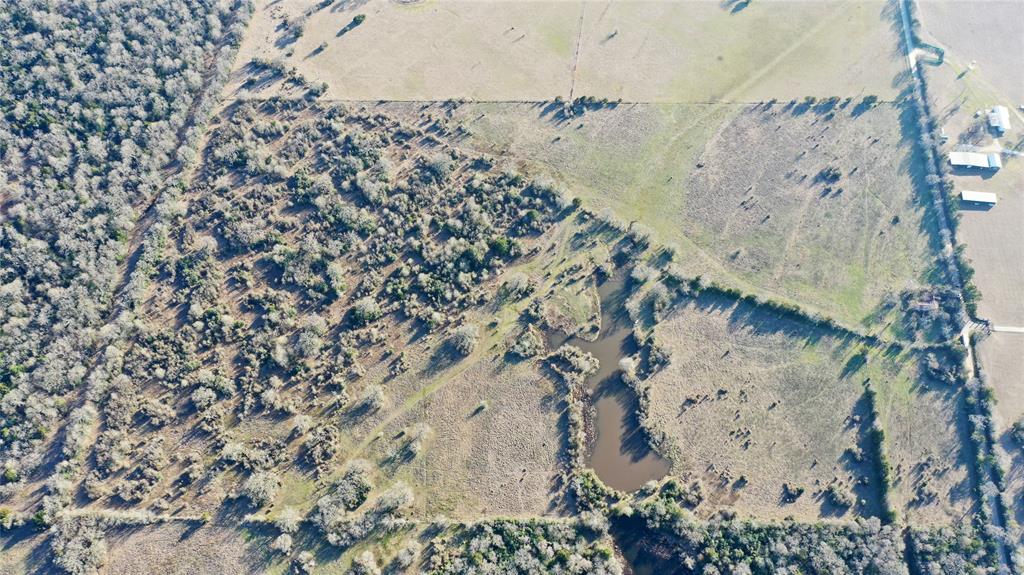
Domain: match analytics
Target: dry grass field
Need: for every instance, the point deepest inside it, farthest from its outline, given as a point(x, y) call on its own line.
point(994, 242)
point(644, 51)
point(637, 51)
point(739, 189)
point(772, 401)
point(1003, 362)
point(980, 33)
point(776, 219)
point(492, 446)
point(928, 445)
point(1014, 482)
point(986, 33)
point(183, 549)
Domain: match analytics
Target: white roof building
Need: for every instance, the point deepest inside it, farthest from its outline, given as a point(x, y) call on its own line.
point(976, 160)
point(999, 118)
point(978, 197)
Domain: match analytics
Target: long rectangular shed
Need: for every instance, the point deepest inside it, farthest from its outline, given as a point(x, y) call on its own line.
point(990, 161)
point(986, 198)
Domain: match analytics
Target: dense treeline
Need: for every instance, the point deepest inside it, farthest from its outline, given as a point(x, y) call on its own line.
point(744, 546)
point(100, 104)
point(527, 546)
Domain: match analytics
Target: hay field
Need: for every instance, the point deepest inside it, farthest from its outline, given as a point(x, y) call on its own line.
point(645, 51)
point(494, 444)
point(737, 188)
point(638, 51)
point(988, 33)
point(1003, 364)
point(770, 400)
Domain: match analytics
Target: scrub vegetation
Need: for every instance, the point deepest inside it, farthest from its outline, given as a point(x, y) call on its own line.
point(281, 293)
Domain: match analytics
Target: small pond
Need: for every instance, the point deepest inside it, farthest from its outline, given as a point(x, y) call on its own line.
point(619, 452)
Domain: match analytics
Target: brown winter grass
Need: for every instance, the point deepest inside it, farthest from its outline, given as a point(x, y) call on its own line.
point(994, 243)
point(495, 444)
point(182, 548)
point(986, 33)
point(961, 97)
point(1000, 356)
point(736, 188)
point(637, 51)
point(927, 441)
point(750, 395)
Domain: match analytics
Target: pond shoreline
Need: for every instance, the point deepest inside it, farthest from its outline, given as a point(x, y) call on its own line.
point(617, 448)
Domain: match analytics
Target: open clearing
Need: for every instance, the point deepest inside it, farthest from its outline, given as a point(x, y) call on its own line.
point(1003, 364)
point(493, 447)
point(750, 395)
point(767, 221)
point(987, 33)
point(181, 549)
point(928, 445)
point(637, 51)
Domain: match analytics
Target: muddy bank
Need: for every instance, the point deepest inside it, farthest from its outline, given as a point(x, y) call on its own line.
point(617, 450)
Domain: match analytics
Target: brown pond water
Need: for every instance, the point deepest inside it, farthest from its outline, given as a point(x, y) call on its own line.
point(619, 452)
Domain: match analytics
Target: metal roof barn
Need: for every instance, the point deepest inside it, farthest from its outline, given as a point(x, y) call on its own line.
point(999, 118)
point(975, 160)
point(978, 197)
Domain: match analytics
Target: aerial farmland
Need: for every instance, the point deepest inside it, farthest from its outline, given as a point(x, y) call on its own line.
point(451, 287)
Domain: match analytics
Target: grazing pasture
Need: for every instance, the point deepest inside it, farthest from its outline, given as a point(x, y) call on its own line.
point(635, 51)
point(985, 33)
point(928, 445)
point(812, 201)
point(491, 442)
point(752, 403)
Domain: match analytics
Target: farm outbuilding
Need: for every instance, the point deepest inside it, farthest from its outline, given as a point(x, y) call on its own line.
point(986, 198)
point(999, 119)
point(989, 161)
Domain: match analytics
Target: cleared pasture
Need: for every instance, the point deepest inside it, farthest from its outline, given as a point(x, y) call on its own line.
point(985, 33)
point(994, 242)
point(736, 51)
point(928, 445)
point(637, 51)
point(492, 441)
point(1003, 364)
point(181, 548)
point(740, 190)
point(751, 402)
